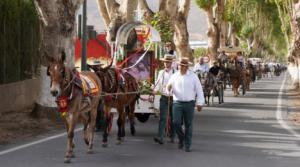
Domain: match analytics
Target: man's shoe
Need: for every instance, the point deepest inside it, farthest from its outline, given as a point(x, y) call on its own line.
point(187, 150)
point(157, 140)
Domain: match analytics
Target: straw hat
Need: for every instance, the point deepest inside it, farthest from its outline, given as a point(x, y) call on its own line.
point(167, 58)
point(184, 61)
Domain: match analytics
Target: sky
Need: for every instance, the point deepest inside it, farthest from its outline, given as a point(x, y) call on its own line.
point(197, 23)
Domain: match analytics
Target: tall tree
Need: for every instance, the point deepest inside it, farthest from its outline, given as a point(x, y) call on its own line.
point(57, 33)
point(176, 10)
point(213, 30)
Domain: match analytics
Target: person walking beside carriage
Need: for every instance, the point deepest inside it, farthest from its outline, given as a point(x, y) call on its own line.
point(187, 92)
point(165, 102)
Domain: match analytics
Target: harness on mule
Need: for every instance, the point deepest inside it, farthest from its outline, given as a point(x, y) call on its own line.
point(86, 84)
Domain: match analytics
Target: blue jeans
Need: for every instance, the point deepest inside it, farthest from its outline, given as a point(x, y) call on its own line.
point(165, 107)
point(185, 111)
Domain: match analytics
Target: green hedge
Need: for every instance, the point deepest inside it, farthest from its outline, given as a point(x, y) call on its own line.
point(19, 40)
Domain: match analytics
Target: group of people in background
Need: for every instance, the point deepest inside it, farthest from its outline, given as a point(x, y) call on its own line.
point(181, 92)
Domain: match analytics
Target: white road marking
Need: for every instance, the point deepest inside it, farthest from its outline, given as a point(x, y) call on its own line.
point(279, 118)
point(36, 142)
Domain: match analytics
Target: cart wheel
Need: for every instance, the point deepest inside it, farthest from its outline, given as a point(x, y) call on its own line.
point(142, 117)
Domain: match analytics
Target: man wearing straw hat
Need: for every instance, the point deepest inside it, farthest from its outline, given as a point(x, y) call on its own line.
point(165, 102)
point(187, 92)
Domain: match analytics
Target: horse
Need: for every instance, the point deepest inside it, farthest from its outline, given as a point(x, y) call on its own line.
point(237, 77)
point(224, 76)
point(249, 75)
point(78, 96)
point(124, 91)
point(209, 85)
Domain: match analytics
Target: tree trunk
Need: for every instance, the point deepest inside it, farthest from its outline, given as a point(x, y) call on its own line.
point(295, 46)
point(57, 34)
point(222, 23)
point(116, 14)
point(181, 38)
point(212, 34)
point(103, 12)
point(181, 35)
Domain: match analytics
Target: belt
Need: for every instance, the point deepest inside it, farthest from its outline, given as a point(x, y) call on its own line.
point(163, 96)
point(184, 101)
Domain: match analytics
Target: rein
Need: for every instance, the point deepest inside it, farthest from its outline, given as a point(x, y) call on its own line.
point(71, 81)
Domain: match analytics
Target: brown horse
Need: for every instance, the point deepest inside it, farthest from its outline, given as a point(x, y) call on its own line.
point(249, 75)
point(122, 94)
point(81, 94)
point(237, 74)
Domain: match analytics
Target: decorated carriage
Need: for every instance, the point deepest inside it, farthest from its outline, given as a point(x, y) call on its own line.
point(135, 50)
point(233, 71)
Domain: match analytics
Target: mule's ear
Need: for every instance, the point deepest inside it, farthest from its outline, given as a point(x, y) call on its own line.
point(50, 59)
point(63, 56)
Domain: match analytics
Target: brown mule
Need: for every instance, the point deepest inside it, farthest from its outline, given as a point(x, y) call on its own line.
point(124, 89)
point(236, 75)
point(81, 93)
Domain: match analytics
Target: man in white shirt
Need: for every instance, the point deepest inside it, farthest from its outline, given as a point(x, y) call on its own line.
point(165, 102)
point(201, 67)
point(187, 92)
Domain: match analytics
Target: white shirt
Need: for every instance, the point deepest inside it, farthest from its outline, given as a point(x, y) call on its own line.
point(201, 68)
point(162, 81)
point(186, 87)
point(223, 57)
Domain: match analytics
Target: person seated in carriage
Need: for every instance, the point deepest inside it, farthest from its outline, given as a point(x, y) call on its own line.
point(240, 59)
point(223, 59)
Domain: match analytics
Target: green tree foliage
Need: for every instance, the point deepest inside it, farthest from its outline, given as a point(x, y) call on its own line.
point(19, 40)
point(204, 4)
point(163, 25)
point(199, 52)
point(259, 22)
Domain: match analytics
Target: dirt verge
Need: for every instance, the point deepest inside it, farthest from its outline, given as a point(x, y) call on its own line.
point(16, 125)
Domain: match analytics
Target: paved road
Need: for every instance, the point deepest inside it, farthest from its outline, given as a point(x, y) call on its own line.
point(243, 132)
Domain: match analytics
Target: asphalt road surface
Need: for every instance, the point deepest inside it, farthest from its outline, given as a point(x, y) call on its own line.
point(245, 131)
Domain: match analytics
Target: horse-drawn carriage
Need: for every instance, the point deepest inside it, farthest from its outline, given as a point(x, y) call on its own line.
point(116, 85)
point(134, 51)
point(233, 71)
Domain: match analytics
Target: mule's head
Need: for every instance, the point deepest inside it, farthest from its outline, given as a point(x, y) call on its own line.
point(57, 73)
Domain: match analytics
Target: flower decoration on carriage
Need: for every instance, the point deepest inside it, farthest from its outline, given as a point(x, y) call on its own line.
point(145, 87)
point(155, 64)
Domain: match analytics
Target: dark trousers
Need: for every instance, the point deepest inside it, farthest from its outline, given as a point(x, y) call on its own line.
point(100, 119)
point(186, 111)
point(165, 108)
